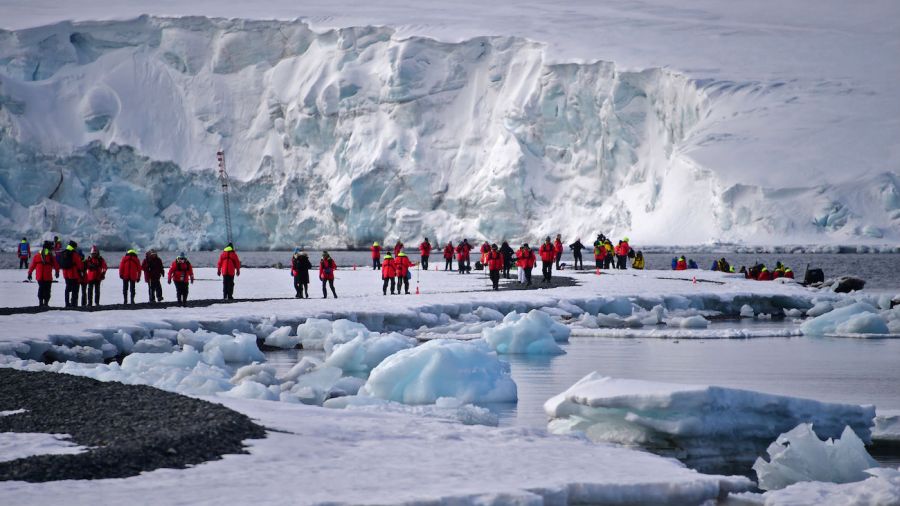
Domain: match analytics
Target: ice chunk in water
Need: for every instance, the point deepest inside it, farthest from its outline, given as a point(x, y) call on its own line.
point(799, 455)
point(534, 333)
point(251, 390)
point(863, 323)
point(241, 348)
point(365, 352)
point(747, 311)
point(488, 314)
point(829, 322)
point(263, 374)
point(282, 338)
point(691, 322)
point(466, 370)
point(153, 345)
point(819, 309)
point(312, 333)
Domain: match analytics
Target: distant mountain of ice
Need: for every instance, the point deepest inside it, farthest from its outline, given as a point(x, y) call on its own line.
point(335, 137)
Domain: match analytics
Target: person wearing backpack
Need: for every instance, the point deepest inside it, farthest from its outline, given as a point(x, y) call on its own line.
point(401, 266)
point(43, 265)
point(300, 266)
point(82, 278)
point(129, 273)
point(182, 272)
point(24, 253)
point(508, 255)
point(494, 265)
point(326, 274)
point(95, 272)
point(425, 251)
point(153, 272)
point(376, 255)
point(228, 267)
point(71, 266)
point(387, 273)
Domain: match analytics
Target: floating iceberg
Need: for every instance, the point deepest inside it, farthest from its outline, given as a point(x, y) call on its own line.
point(709, 427)
point(364, 352)
point(466, 370)
point(799, 455)
point(533, 333)
point(827, 323)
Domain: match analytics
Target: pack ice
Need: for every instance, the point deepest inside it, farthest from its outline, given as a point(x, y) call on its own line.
point(707, 427)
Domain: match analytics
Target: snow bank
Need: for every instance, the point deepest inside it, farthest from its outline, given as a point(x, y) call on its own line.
point(709, 427)
point(467, 371)
point(534, 333)
point(881, 488)
point(887, 426)
point(799, 455)
point(18, 445)
point(444, 407)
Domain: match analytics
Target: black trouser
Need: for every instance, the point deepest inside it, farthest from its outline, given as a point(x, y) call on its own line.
point(507, 264)
point(607, 261)
point(181, 291)
point(126, 284)
point(558, 258)
point(300, 286)
point(155, 289)
point(448, 264)
point(329, 282)
point(528, 275)
point(71, 292)
point(384, 285)
point(376, 263)
point(577, 260)
point(402, 282)
point(93, 293)
point(598, 262)
point(425, 262)
point(461, 265)
point(547, 270)
point(84, 297)
point(620, 261)
point(228, 287)
point(495, 278)
point(23, 263)
point(44, 288)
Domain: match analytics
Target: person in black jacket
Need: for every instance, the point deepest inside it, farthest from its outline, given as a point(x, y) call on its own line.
point(300, 266)
point(153, 271)
point(508, 254)
point(576, 248)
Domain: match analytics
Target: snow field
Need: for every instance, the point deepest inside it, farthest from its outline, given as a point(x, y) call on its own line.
point(17, 445)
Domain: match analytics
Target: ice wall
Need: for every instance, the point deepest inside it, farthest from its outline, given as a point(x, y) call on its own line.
point(108, 133)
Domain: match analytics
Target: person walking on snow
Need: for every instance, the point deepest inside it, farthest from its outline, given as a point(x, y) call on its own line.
point(129, 273)
point(43, 265)
point(401, 266)
point(576, 247)
point(485, 249)
point(153, 272)
point(425, 251)
point(376, 256)
point(494, 265)
point(462, 256)
point(387, 273)
point(448, 256)
point(508, 255)
point(548, 255)
point(182, 272)
point(526, 261)
point(558, 249)
point(621, 254)
point(95, 267)
point(300, 267)
point(71, 266)
point(82, 278)
point(24, 253)
point(599, 254)
point(228, 267)
point(326, 273)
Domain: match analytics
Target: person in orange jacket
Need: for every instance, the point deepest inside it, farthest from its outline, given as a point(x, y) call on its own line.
point(43, 265)
point(387, 273)
point(82, 277)
point(228, 267)
point(462, 256)
point(398, 248)
point(181, 272)
point(376, 256)
point(448, 256)
point(558, 249)
point(548, 255)
point(425, 252)
point(494, 265)
point(327, 266)
point(526, 260)
point(599, 255)
point(485, 249)
point(95, 269)
point(72, 266)
point(401, 266)
point(129, 273)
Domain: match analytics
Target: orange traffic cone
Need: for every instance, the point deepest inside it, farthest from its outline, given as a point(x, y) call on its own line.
point(417, 289)
point(354, 267)
point(598, 271)
point(694, 280)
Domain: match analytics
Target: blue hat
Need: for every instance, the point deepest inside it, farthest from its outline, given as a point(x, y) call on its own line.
point(182, 255)
point(296, 250)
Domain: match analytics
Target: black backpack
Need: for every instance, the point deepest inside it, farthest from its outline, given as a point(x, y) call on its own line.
point(65, 261)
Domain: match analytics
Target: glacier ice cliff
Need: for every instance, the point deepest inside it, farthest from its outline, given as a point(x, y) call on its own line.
point(108, 134)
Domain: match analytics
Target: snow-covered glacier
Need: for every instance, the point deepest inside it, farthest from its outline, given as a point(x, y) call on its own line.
point(108, 133)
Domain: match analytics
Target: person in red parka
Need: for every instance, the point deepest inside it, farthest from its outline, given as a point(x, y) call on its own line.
point(425, 251)
point(398, 248)
point(153, 272)
point(376, 256)
point(129, 273)
point(462, 257)
point(72, 266)
point(228, 267)
point(448, 256)
point(495, 265)
point(485, 249)
point(526, 260)
point(181, 272)
point(326, 273)
point(387, 273)
point(43, 266)
point(95, 272)
point(764, 274)
point(548, 255)
point(401, 266)
point(82, 278)
point(599, 255)
point(681, 264)
point(558, 249)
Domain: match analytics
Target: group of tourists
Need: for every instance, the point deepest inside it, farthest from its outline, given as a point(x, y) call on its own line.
point(300, 267)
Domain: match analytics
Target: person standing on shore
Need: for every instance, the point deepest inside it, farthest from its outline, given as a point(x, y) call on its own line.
point(71, 266)
point(425, 251)
point(153, 272)
point(129, 273)
point(43, 265)
point(576, 247)
point(96, 268)
point(376, 256)
point(494, 265)
point(548, 255)
point(558, 249)
point(401, 266)
point(24, 252)
point(387, 273)
point(228, 267)
point(326, 274)
point(448, 256)
point(508, 255)
point(182, 272)
point(300, 266)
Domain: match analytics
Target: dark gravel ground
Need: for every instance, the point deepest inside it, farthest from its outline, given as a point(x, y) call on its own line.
point(130, 428)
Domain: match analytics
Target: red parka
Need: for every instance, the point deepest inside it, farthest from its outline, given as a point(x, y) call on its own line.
point(402, 265)
point(96, 268)
point(376, 251)
point(229, 263)
point(425, 248)
point(448, 251)
point(398, 248)
point(387, 268)
point(681, 265)
point(73, 272)
point(43, 266)
point(181, 272)
point(130, 267)
point(548, 252)
point(327, 268)
point(599, 252)
point(153, 268)
point(494, 260)
point(558, 246)
point(525, 258)
point(764, 275)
